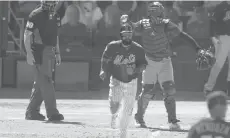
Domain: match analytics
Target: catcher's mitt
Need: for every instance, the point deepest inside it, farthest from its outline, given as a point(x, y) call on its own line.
point(205, 59)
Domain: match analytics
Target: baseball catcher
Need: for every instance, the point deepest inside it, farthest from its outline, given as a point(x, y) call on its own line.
point(42, 48)
point(156, 31)
point(122, 61)
point(215, 126)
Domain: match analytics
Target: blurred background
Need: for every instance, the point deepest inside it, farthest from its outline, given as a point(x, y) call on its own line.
point(97, 23)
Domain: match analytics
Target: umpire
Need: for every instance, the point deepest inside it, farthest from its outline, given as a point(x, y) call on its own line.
point(220, 35)
point(42, 48)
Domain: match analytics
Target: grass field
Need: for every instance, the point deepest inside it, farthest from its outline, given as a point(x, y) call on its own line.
point(91, 118)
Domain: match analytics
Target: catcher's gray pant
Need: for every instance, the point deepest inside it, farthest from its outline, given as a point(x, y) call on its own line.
point(222, 51)
point(43, 88)
point(162, 72)
point(124, 94)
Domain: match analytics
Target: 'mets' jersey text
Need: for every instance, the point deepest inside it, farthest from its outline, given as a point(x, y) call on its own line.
point(208, 128)
point(154, 37)
point(116, 55)
point(44, 26)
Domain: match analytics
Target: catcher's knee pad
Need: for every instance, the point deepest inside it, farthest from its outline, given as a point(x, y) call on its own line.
point(169, 88)
point(114, 106)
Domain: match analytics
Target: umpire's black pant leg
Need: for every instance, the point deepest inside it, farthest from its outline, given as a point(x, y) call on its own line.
point(45, 81)
point(35, 98)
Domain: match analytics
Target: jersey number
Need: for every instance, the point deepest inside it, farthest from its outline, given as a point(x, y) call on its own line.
point(29, 25)
point(210, 136)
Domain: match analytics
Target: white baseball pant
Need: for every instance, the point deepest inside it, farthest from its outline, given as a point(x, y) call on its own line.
point(125, 94)
point(222, 51)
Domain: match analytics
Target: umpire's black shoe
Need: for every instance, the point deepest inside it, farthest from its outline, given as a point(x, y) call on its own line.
point(35, 116)
point(56, 117)
point(139, 122)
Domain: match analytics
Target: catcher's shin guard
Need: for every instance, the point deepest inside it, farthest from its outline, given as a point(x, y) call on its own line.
point(169, 100)
point(143, 101)
point(170, 105)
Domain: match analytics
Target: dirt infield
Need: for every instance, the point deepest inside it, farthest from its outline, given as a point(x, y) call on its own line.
point(90, 119)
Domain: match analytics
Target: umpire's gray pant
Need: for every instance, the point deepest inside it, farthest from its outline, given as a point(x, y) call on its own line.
point(43, 88)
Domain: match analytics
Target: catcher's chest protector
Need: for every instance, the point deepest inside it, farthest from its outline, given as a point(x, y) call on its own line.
point(154, 37)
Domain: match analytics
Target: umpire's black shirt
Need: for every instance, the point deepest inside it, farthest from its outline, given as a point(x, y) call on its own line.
point(220, 20)
point(44, 25)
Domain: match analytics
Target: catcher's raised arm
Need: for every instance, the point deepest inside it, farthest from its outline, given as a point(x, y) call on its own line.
point(137, 26)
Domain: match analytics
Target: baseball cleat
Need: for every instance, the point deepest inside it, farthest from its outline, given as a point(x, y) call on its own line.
point(56, 117)
point(174, 126)
point(114, 121)
point(139, 122)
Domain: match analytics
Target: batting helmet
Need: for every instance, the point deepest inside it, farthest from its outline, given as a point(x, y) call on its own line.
point(126, 33)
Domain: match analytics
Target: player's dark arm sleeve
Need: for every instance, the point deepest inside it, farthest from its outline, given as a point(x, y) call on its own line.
point(213, 25)
point(190, 39)
point(31, 23)
point(29, 29)
point(176, 31)
point(141, 61)
point(106, 60)
point(212, 28)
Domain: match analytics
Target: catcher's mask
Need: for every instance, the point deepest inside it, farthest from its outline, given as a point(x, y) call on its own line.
point(49, 5)
point(205, 59)
point(155, 10)
point(217, 104)
point(126, 34)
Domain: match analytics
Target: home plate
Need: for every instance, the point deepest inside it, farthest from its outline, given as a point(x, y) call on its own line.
point(183, 127)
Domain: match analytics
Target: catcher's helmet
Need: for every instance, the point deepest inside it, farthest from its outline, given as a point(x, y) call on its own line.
point(155, 9)
point(205, 59)
point(217, 104)
point(126, 33)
